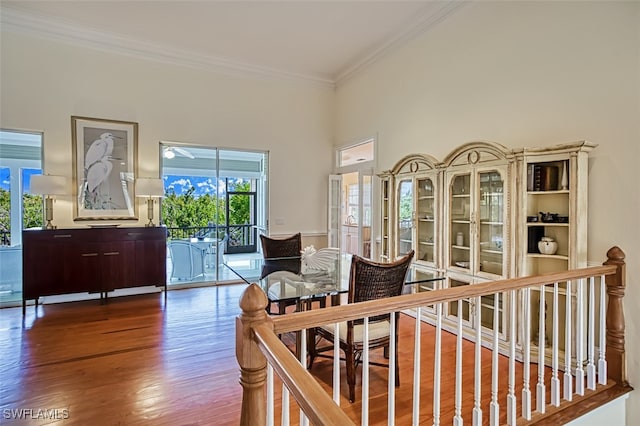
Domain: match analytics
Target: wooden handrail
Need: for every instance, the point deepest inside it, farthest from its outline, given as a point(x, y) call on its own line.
point(317, 317)
point(257, 342)
point(314, 401)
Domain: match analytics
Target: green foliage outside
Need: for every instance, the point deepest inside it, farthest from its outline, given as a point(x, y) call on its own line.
point(32, 211)
point(188, 210)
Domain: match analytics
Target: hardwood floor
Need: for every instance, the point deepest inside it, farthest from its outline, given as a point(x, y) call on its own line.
point(139, 360)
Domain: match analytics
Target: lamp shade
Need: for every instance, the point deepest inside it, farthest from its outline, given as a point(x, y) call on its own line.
point(149, 187)
point(48, 185)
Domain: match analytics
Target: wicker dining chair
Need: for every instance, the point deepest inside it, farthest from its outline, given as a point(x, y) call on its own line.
point(368, 280)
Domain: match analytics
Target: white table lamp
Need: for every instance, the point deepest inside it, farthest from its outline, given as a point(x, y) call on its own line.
point(48, 185)
point(150, 188)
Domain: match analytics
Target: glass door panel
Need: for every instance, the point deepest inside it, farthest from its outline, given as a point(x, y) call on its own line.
point(487, 307)
point(365, 222)
point(425, 222)
point(460, 221)
point(453, 306)
point(335, 211)
point(217, 201)
point(405, 217)
point(491, 211)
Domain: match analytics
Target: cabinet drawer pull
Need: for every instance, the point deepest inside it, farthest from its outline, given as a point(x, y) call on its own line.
point(112, 253)
point(133, 234)
point(89, 254)
point(62, 236)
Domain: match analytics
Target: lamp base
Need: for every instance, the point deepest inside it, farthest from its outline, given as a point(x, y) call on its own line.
point(150, 213)
point(48, 213)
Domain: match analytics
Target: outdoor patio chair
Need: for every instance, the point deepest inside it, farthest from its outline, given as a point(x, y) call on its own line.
point(187, 260)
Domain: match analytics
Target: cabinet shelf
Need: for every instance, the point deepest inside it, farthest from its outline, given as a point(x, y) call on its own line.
point(467, 221)
point(549, 256)
point(485, 222)
point(425, 220)
point(559, 191)
point(460, 247)
point(558, 224)
point(426, 197)
point(461, 195)
point(491, 251)
point(426, 243)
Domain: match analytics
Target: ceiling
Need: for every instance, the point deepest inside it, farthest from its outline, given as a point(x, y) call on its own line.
point(323, 41)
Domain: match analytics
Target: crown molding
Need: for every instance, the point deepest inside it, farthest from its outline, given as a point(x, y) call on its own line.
point(17, 21)
point(423, 23)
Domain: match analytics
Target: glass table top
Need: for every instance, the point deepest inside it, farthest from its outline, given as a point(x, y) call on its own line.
point(285, 279)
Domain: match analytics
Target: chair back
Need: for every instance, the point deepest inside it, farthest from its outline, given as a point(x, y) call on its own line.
point(369, 280)
point(187, 259)
point(281, 247)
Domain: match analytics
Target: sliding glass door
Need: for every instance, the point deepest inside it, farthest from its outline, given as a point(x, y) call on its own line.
point(214, 204)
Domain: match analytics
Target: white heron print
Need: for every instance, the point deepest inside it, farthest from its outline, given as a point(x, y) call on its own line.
point(99, 163)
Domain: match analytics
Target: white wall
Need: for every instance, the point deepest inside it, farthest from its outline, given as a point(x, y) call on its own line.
point(44, 83)
point(522, 74)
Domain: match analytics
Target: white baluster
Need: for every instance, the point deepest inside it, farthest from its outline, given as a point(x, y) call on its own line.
point(365, 372)
point(494, 407)
point(580, 338)
point(457, 418)
point(336, 363)
point(591, 335)
point(541, 392)
point(568, 326)
point(477, 396)
point(417, 351)
point(602, 362)
point(391, 400)
point(304, 421)
point(555, 381)
point(285, 406)
point(511, 393)
point(270, 402)
point(436, 366)
point(526, 391)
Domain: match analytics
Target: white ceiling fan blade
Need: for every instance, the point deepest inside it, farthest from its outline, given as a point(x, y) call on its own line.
point(183, 152)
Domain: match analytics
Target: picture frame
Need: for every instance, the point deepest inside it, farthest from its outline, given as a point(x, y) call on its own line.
point(105, 158)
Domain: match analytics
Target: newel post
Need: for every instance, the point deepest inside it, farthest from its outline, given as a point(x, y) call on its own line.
point(253, 365)
point(616, 357)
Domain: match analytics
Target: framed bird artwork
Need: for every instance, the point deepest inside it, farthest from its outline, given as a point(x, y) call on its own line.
point(104, 168)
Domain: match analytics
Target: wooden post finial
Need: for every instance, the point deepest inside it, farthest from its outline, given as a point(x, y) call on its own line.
point(253, 364)
point(616, 356)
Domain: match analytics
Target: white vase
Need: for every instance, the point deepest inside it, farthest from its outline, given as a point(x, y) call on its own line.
point(564, 179)
point(548, 247)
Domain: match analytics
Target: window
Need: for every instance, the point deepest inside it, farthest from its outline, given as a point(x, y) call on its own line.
point(360, 153)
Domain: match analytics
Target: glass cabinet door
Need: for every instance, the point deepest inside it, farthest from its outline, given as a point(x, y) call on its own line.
point(463, 307)
point(425, 223)
point(490, 222)
point(405, 217)
point(460, 221)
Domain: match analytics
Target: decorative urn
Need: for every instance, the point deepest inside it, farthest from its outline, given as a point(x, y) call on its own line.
point(546, 245)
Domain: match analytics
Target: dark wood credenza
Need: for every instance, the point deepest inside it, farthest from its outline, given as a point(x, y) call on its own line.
point(93, 260)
